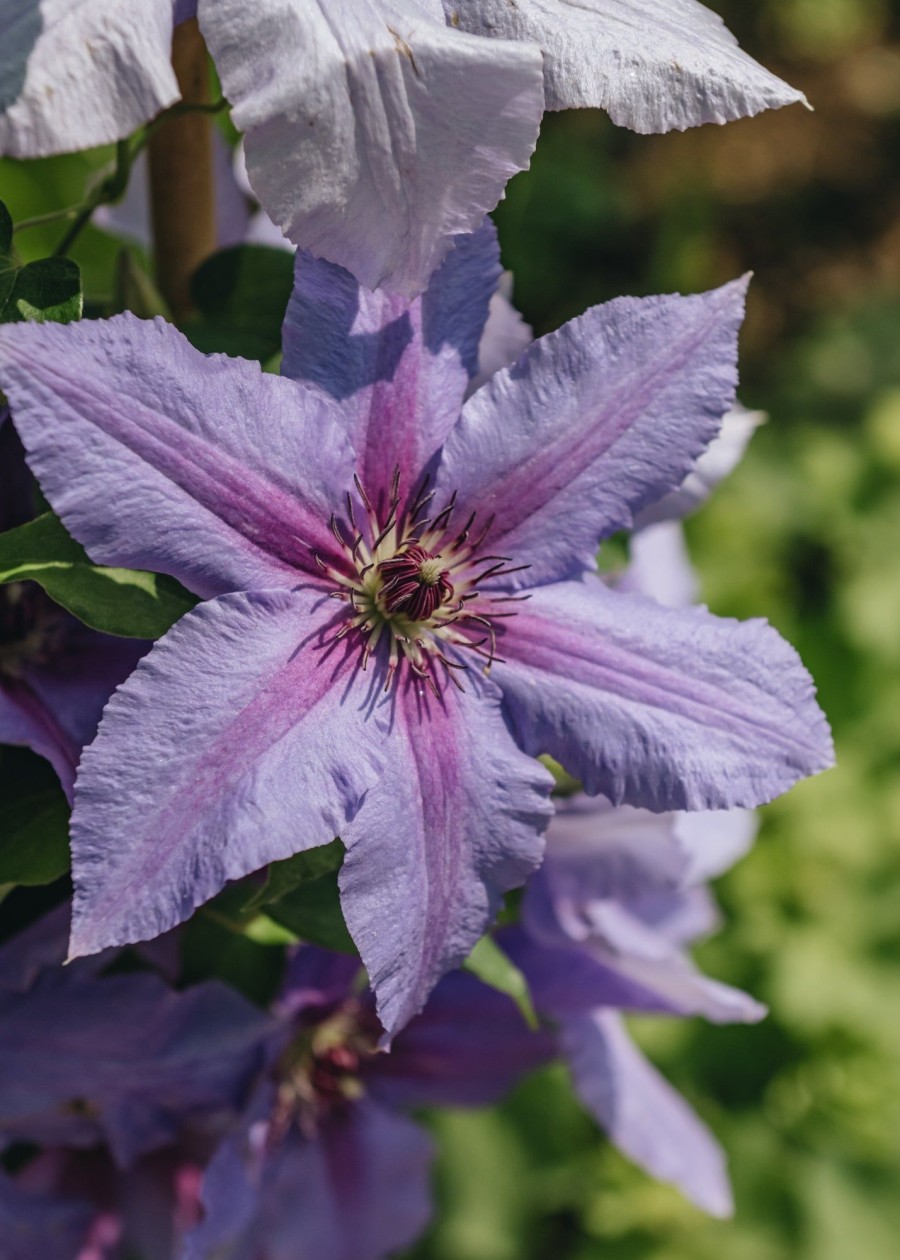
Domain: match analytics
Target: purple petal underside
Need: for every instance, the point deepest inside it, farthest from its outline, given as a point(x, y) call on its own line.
point(359, 1190)
point(468, 1047)
point(238, 741)
point(38, 1226)
point(654, 65)
point(158, 457)
point(593, 422)
point(657, 707)
point(73, 76)
point(374, 134)
point(400, 369)
point(456, 821)
point(643, 1115)
point(122, 1058)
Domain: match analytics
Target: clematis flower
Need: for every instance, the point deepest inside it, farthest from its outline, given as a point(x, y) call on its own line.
point(55, 673)
point(376, 130)
point(399, 610)
point(326, 1162)
point(34, 1226)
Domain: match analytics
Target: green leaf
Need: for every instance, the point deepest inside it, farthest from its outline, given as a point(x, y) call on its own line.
point(48, 290)
point(313, 913)
point(6, 231)
point(34, 820)
point(283, 877)
point(488, 962)
point(242, 294)
point(126, 602)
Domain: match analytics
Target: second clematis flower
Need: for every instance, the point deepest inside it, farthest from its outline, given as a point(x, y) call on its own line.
point(399, 610)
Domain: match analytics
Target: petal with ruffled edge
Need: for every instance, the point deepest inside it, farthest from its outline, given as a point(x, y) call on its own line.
point(73, 76)
point(645, 1117)
point(659, 566)
point(658, 707)
point(358, 1190)
point(468, 1047)
point(456, 822)
point(654, 65)
point(123, 1059)
point(159, 457)
point(36, 1226)
point(374, 134)
point(506, 336)
point(400, 369)
point(239, 740)
point(593, 422)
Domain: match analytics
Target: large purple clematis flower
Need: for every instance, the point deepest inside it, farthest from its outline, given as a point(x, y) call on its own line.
point(55, 673)
point(326, 1163)
point(399, 610)
point(377, 130)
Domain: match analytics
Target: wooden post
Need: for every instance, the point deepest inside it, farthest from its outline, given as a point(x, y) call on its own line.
point(182, 187)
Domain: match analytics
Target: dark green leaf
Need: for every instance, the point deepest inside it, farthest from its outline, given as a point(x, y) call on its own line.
point(488, 962)
point(302, 868)
point(34, 820)
point(46, 291)
point(241, 295)
point(126, 602)
point(213, 949)
point(6, 230)
point(313, 913)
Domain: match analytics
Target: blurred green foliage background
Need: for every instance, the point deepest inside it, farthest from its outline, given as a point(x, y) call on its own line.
point(806, 532)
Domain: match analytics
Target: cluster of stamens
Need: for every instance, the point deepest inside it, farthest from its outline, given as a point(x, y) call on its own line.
point(415, 578)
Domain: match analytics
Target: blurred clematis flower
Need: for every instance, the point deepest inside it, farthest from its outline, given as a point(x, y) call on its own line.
point(55, 673)
point(376, 130)
point(400, 611)
point(327, 1163)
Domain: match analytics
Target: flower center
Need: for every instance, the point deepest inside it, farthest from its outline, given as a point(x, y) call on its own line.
point(416, 580)
point(30, 626)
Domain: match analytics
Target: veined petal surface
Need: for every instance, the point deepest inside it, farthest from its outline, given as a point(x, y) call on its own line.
point(399, 369)
point(159, 457)
point(455, 823)
point(653, 65)
point(80, 73)
point(374, 134)
point(595, 420)
point(658, 707)
point(238, 741)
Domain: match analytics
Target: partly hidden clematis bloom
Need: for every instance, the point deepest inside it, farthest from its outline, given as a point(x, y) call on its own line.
point(400, 610)
point(607, 920)
point(55, 673)
point(376, 130)
point(326, 1162)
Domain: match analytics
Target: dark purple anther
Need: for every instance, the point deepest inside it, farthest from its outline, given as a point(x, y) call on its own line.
point(415, 584)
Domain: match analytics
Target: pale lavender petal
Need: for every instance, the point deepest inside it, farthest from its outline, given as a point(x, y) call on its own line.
point(468, 1047)
point(654, 65)
point(659, 566)
point(73, 76)
point(506, 336)
point(595, 421)
point(657, 707)
point(457, 821)
point(159, 457)
point(238, 741)
point(41, 1226)
point(682, 918)
point(715, 841)
point(373, 133)
point(713, 466)
point(400, 369)
point(123, 1059)
point(646, 1119)
point(358, 1190)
